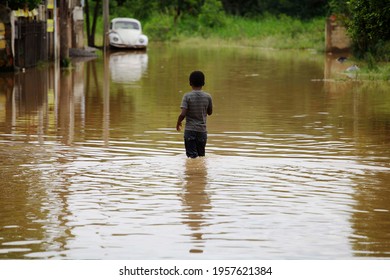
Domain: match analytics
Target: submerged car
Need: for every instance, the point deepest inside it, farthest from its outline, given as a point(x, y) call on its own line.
point(126, 33)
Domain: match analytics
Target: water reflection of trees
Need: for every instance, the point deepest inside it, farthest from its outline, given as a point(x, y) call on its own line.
point(33, 210)
point(38, 106)
point(25, 100)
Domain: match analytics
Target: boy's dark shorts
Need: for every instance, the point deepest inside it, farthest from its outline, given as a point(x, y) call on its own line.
point(195, 143)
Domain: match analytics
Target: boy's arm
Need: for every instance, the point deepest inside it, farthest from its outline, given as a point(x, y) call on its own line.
point(210, 108)
point(181, 118)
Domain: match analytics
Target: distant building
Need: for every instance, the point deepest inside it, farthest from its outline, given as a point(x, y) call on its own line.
point(28, 37)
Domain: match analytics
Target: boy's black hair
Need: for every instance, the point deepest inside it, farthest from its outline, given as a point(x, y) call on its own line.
point(197, 79)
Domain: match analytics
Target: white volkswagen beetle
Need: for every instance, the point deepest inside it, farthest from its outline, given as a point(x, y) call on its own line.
point(127, 33)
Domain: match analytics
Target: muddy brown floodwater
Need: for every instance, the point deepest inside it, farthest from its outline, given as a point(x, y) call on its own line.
point(297, 163)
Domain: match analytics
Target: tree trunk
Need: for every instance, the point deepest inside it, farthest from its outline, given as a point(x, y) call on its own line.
point(95, 16)
point(178, 11)
point(89, 37)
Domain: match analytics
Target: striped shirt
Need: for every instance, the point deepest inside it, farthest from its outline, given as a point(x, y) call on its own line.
point(197, 103)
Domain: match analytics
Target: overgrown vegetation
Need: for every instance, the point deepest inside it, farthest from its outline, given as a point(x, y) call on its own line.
point(142, 9)
point(249, 20)
point(20, 4)
point(279, 24)
point(268, 23)
point(211, 21)
point(368, 24)
point(268, 31)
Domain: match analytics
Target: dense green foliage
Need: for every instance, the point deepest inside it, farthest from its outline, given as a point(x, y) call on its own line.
point(303, 9)
point(367, 21)
point(368, 24)
point(218, 27)
point(142, 9)
point(226, 19)
point(369, 27)
point(20, 4)
point(280, 32)
point(211, 14)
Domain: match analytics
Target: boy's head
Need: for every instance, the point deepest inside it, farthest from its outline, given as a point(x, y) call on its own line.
point(197, 79)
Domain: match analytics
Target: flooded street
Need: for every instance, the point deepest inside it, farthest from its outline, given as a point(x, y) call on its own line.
point(297, 164)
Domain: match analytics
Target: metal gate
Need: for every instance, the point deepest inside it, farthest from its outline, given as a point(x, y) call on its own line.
point(30, 43)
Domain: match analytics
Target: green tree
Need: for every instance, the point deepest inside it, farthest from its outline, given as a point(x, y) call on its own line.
point(369, 27)
point(140, 9)
point(91, 26)
point(339, 7)
point(297, 8)
point(212, 14)
point(20, 4)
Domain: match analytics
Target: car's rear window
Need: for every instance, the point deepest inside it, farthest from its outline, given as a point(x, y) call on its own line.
point(126, 25)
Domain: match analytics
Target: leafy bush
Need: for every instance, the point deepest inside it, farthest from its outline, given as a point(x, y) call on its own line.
point(160, 27)
point(382, 50)
point(369, 26)
point(212, 14)
point(20, 4)
point(140, 9)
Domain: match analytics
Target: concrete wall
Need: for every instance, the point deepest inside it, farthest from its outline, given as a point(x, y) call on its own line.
point(336, 37)
point(78, 28)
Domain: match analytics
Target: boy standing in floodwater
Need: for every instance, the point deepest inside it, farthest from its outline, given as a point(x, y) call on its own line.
point(195, 107)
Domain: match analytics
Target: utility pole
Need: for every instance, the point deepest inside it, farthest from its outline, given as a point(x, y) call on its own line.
point(64, 40)
point(106, 84)
point(106, 14)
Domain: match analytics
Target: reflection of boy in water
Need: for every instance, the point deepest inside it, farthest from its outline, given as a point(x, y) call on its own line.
point(195, 107)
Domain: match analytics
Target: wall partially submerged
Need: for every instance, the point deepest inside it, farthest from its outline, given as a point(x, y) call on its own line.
point(336, 37)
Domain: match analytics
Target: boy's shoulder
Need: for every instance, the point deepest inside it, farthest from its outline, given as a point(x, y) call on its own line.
point(194, 95)
point(197, 92)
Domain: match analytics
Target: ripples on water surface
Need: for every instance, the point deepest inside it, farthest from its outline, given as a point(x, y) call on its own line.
point(296, 168)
